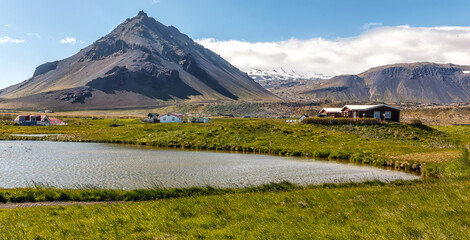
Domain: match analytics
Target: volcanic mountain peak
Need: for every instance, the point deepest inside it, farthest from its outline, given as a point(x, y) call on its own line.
point(140, 63)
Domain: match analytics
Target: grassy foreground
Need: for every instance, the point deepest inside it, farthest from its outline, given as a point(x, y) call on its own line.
point(430, 210)
point(434, 208)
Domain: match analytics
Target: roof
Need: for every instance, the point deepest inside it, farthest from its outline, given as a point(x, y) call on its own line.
point(154, 114)
point(41, 117)
point(174, 114)
point(367, 107)
point(56, 121)
point(331, 110)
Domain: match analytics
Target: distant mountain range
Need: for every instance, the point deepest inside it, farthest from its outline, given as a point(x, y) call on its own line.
point(285, 83)
point(398, 83)
point(283, 75)
point(141, 63)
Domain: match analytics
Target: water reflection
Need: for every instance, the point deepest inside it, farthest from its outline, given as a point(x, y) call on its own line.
point(74, 165)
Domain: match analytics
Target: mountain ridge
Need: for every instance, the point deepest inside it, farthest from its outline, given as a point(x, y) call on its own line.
point(420, 82)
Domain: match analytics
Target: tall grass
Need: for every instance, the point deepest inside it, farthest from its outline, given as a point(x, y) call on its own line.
point(421, 210)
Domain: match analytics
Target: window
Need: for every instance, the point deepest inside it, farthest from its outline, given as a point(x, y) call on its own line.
point(388, 115)
point(173, 119)
point(376, 114)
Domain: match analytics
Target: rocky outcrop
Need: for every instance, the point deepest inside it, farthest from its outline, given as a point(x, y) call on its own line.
point(46, 67)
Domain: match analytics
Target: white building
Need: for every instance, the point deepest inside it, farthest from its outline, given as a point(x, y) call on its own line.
point(33, 120)
point(202, 120)
point(303, 117)
point(171, 117)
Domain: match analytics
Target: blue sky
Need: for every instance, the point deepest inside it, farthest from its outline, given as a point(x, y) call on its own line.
point(31, 31)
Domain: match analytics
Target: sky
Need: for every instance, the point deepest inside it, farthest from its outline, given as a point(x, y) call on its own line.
point(323, 36)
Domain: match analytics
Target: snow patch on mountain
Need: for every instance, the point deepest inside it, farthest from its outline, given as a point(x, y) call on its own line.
point(282, 74)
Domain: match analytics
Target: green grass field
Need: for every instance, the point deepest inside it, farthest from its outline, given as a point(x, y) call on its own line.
point(433, 208)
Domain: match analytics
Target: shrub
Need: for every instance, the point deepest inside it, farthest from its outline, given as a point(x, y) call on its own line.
point(430, 170)
point(342, 121)
point(416, 122)
point(3, 199)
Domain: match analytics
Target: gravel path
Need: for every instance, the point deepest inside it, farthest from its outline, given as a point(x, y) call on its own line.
point(47, 204)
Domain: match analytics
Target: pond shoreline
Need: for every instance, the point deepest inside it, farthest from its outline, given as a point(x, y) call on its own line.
point(50, 195)
point(406, 166)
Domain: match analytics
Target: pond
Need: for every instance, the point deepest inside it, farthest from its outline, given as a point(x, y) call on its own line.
point(112, 166)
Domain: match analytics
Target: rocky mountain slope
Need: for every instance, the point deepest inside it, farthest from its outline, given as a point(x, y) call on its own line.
point(141, 63)
point(400, 83)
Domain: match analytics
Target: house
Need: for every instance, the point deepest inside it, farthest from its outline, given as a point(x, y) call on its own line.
point(331, 112)
point(171, 117)
point(381, 111)
point(203, 120)
point(152, 118)
point(32, 120)
point(198, 120)
point(303, 117)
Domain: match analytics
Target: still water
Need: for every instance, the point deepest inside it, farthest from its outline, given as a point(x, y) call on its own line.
point(78, 165)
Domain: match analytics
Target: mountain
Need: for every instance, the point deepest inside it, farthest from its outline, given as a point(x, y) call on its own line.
point(141, 63)
point(285, 83)
point(279, 74)
point(422, 82)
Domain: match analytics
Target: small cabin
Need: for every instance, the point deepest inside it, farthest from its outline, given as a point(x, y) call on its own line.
point(303, 117)
point(171, 117)
point(381, 111)
point(331, 112)
point(199, 120)
point(203, 120)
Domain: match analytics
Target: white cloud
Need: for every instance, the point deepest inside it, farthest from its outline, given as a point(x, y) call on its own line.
point(380, 46)
point(7, 25)
point(371, 25)
point(6, 39)
point(156, 1)
point(68, 40)
point(82, 42)
point(34, 35)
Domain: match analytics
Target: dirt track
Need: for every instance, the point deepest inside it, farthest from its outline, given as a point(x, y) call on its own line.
point(48, 204)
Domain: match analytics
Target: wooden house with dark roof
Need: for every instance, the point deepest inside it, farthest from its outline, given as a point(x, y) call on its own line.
point(380, 111)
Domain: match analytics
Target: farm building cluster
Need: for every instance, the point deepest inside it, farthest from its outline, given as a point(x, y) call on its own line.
point(37, 120)
point(173, 117)
point(381, 111)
